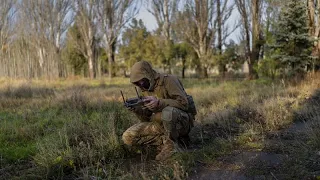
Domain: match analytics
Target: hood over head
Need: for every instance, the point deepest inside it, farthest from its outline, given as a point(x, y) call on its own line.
point(143, 69)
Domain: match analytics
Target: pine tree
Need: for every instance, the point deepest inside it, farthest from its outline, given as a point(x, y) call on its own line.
point(293, 44)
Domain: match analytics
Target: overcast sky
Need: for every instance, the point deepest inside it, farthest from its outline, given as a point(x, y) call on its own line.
point(147, 18)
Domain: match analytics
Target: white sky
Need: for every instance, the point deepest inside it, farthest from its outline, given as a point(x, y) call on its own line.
point(147, 18)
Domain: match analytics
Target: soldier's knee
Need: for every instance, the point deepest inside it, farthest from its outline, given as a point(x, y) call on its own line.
point(128, 138)
point(168, 114)
point(171, 114)
point(175, 120)
point(169, 117)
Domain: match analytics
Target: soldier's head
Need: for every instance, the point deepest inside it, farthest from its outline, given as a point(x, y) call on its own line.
point(143, 75)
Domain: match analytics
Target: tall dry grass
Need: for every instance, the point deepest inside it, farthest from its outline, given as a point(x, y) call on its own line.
point(72, 128)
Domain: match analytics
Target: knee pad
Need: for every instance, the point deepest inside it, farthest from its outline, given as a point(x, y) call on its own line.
point(175, 122)
point(169, 118)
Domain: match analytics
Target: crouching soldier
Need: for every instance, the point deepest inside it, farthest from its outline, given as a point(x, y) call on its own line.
point(168, 115)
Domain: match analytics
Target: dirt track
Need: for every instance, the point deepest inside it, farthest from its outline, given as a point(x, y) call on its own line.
point(256, 164)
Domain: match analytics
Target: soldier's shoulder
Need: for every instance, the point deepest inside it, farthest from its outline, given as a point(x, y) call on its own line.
point(164, 74)
point(170, 78)
point(168, 75)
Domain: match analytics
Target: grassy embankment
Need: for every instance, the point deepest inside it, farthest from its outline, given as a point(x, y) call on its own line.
point(72, 129)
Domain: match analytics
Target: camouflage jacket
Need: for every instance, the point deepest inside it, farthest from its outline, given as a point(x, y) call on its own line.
point(167, 88)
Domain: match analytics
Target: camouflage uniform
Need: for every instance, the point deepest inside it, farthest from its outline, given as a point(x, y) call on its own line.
point(170, 120)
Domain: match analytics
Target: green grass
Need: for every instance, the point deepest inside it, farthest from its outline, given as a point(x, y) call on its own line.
point(17, 151)
point(72, 128)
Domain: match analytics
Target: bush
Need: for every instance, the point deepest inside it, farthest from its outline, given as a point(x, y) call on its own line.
point(268, 68)
point(26, 91)
point(277, 112)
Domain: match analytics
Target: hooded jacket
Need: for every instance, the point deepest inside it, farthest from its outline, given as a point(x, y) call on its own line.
point(167, 88)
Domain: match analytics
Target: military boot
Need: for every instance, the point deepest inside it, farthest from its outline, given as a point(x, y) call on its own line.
point(167, 149)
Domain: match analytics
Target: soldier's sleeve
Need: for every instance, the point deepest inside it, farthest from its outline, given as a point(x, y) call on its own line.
point(177, 95)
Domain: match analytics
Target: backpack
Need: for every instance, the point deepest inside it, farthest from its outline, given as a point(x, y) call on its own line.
point(192, 107)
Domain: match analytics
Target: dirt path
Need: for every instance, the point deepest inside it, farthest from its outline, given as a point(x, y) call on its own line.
point(256, 164)
point(235, 166)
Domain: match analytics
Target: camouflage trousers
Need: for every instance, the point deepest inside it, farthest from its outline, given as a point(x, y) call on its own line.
point(171, 122)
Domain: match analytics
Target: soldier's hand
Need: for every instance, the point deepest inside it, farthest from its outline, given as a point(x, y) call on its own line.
point(135, 109)
point(151, 102)
point(131, 108)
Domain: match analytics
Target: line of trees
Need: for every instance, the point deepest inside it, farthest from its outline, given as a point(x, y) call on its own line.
point(94, 38)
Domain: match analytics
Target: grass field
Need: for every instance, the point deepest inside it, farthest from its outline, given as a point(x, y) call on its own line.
point(71, 129)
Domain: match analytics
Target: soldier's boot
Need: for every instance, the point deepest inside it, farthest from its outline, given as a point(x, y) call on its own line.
point(167, 149)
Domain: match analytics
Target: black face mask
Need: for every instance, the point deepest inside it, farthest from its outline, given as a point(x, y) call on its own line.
point(143, 83)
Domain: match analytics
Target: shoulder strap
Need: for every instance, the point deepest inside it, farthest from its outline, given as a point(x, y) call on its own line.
point(162, 77)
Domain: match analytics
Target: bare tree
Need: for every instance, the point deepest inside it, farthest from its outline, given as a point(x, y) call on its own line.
point(112, 17)
point(196, 26)
point(254, 40)
point(314, 27)
point(204, 25)
point(256, 36)
point(7, 13)
point(164, 12)
point(313, 16)
point(224, 12)
point(86, 24)
point(44, 22)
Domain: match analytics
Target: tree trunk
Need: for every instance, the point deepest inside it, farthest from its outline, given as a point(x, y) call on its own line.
point(111, 59)
point(183, 68)
point(90, 64)
point(221, 68)
point(202, 56)
point(205, 72)
point(311, 17)
point(252, 54)
point(255, 38)
point(314, 29)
